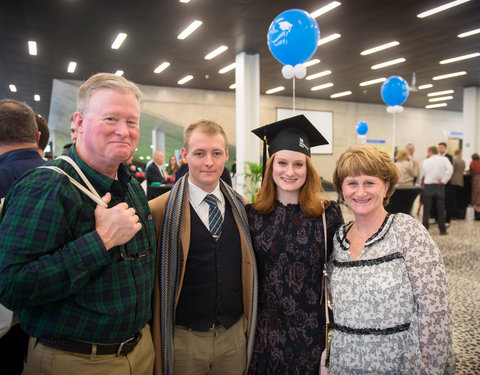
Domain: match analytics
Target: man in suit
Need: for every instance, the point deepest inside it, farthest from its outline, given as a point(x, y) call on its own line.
point(155, 171)
point(206, 282)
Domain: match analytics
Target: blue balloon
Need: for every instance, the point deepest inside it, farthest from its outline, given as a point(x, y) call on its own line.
point(394, 91)
point(293, 37)
point(362, 128)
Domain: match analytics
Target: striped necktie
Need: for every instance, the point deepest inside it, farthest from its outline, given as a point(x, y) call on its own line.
point(215, 219)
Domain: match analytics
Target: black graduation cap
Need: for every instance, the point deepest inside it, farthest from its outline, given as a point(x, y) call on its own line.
point(293, 133)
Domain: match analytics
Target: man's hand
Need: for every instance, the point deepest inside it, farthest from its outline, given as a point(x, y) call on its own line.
point(116, 225)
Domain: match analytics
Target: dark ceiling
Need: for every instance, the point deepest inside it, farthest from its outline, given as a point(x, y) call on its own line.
point(83, 31)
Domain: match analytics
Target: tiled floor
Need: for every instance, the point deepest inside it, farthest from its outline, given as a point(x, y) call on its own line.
point(461, 254)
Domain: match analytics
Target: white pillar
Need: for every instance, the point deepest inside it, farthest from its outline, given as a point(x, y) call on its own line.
point(247, 98)
point(158, 140)
point(471, 122)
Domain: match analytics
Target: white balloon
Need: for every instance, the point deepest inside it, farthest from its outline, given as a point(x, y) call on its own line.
point(394, 109)
point(300, 71)
point(288, 71)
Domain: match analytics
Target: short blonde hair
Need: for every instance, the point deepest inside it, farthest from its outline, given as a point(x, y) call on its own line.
point(104, 81)
point(368, 160)
point(402, 154)
point(206, 127)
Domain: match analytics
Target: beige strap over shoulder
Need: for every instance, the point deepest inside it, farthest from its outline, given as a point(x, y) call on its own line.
point(90, 192)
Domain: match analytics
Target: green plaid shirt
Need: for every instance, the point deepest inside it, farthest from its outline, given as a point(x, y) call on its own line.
point(54, 268)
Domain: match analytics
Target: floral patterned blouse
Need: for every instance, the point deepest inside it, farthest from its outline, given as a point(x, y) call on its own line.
point(391, 305)
point(289, 249)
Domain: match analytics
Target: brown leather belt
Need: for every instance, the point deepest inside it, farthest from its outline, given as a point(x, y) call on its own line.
point(83, 347)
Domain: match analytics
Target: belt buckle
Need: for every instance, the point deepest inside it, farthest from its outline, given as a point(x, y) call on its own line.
point(120, 347)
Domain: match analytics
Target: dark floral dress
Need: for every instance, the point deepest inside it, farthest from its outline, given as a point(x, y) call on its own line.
point(289, 248)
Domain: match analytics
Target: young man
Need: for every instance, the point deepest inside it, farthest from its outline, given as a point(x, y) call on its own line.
point(206, 276)
point(81, 274)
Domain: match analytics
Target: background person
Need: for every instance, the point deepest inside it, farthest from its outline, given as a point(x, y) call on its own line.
point(458, 203)
point(288, 237)
point(390, 293)
point(73, 129)
point(436, 172)
point(19, 138)
point(408, 173)
point(44, 134)
point(449, 196)
point(172, 166)
point(205, 287)
point(475, 172)
point(81, 276)
point(19, 145)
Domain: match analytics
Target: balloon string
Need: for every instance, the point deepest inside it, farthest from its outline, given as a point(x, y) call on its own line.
point(294, 95)
point(393, 136)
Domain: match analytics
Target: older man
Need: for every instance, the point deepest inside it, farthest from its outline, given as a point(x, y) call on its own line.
point(81, 274)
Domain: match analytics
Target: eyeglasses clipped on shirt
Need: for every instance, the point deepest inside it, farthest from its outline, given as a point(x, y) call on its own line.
point(140, 254)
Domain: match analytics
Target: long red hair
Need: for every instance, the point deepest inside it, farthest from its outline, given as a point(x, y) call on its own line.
point(310, 200)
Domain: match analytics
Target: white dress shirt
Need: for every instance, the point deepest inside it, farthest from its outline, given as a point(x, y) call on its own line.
point(196, 197)
point(436, 168)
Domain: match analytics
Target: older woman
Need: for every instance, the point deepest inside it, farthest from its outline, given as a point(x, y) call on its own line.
point(408, 172)
point(390, 293)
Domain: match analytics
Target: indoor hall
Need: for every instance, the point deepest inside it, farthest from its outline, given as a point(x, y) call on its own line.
point(79, 32)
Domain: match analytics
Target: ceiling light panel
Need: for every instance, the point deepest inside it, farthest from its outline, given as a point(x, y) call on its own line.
point(32, 48)
point(185, 79)
point(427, 86)
point(228, 68)
point(119, 73)
point(372, 82)
point(379, 48)
point(438, 93)
point(469, 33)
point(12, 88)
point(233, 86)
point(274, 90)
point(72, 65)
point(441, 8)
point(119, 40)
point(440, 98)
point(388, 63)
point(449, 75)
point(321, 87)
point(36, 97)
point(189, 29)
point(460, 58)
point(340, 94)
point(328, 39)
point(311, 63)
point(325, 9)
point(319, 74)
point(216, 52)
point(164, 65)
point(430, 106)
